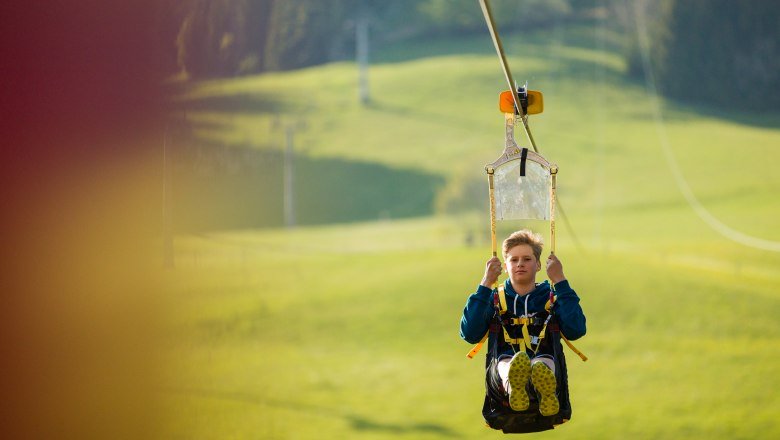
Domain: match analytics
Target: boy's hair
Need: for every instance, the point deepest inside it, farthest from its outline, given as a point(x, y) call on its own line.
point(525, 236)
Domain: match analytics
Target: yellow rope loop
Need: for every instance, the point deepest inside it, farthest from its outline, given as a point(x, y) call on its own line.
point(502, 299)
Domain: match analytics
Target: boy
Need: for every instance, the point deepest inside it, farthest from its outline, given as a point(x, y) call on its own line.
point(511, 370)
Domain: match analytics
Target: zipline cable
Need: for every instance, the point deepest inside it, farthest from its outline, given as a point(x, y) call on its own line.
point(488, 14)
point(650, 84)
point(486, 11)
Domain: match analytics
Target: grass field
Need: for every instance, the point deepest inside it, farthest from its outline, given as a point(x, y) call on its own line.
point(351, 330)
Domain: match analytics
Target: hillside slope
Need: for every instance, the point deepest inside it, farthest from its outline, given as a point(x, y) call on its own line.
point(351, 330)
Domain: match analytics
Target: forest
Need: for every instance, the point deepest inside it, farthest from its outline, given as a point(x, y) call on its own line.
point(714, 52)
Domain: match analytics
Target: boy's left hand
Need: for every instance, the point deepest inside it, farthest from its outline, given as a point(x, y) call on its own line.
point(555, 269)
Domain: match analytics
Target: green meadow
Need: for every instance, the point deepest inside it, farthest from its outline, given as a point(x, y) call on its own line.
point(350, 330)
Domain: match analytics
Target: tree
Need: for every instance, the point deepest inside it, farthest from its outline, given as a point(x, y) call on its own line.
point(302, 33)
point(212, 37)
point(720, 52)
point(458, 16)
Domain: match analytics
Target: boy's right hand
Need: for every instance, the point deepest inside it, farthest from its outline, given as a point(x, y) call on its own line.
point(492, 271)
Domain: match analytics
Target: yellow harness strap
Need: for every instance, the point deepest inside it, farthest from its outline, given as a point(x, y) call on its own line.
point(502, 308)
point(515, 341)
point(477, 347)
point(571, 346)
point(527, 337)
point(542, 333)
point(574, 349)
point(501, 299)
point(524, 321)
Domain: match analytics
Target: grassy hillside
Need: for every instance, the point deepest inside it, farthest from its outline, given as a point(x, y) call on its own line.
point(350, 331)
point(438, 114)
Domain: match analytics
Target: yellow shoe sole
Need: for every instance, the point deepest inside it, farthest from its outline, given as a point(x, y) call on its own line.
point(543, 379)
point(519, 372)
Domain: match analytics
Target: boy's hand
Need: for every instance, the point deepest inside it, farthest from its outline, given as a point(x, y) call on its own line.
point(555, 269)
point(492, 271)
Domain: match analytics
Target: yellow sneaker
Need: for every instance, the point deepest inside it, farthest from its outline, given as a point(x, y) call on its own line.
point(519, 372)
point(543, 379)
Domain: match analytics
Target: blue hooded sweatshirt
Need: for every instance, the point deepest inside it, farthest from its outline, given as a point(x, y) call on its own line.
point(479, 309)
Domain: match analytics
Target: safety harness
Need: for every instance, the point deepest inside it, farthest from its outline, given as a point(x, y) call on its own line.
point(535, 331)
point(527, 341)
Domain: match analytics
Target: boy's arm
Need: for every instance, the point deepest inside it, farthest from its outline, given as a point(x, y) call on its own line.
point(479, 308)
point(476, 315)
point(568, 310)
point(567, 303)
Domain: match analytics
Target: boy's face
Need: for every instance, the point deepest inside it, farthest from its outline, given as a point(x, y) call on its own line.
point(521, 264)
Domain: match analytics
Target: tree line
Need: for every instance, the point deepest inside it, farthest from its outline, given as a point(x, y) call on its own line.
point(218, 38)
point(722, 52)
point(718, 52)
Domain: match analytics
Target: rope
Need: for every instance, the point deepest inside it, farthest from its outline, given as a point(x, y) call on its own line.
point(650, 84)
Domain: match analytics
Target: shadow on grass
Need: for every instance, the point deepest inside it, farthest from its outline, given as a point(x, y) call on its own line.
point(685, 110)
point(254, 103)
point(364, 424)
point(356, 422)
point(681, 111)
point(218, 188)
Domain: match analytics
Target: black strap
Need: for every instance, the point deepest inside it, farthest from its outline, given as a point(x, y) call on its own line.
point(523, 156)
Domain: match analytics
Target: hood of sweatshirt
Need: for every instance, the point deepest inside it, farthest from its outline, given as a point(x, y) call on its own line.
point(537, 298)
